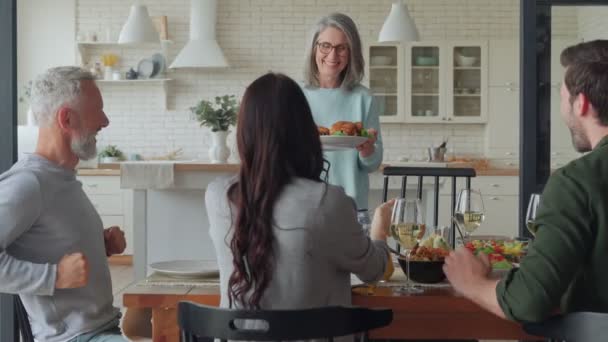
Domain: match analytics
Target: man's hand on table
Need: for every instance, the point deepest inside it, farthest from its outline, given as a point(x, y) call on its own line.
point(470, 276)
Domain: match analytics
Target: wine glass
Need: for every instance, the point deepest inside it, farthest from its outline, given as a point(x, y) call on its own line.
point(469, 211)
point(533, 204)
point(407, 229)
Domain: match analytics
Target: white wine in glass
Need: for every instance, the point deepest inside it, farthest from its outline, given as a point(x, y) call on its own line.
point(469, 221)
point(407, 229)
point(533, 205)
point(469, 211)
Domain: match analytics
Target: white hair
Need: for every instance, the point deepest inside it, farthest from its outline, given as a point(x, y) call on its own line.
point(54, 88)
point(353, 74)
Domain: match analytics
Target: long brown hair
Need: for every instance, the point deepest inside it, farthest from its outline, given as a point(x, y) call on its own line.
point(277, 140)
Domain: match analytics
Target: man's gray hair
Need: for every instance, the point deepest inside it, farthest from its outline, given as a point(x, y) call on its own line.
point(54, 88)
point(353, 74)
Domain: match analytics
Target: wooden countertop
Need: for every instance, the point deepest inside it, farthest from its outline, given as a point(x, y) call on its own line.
point(114, 169)
point(99, 172)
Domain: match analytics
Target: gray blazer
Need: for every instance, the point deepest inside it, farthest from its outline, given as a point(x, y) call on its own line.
point(319, 243)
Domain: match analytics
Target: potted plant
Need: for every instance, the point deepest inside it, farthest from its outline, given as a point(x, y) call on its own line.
point(218, 115)
point(111, 154)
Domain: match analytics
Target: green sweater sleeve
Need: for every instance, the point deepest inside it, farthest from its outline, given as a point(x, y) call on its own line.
point(562, 243)
point(371, 163)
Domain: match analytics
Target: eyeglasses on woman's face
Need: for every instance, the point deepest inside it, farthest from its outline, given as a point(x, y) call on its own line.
point(325, 48)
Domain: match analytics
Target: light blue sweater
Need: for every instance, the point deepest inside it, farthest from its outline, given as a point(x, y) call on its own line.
point(348, 169)
point(45, 214)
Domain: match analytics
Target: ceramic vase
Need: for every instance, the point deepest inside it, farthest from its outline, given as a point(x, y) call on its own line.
point(219, 151)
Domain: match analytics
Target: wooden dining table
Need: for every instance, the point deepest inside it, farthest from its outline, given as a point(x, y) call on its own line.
point(435, 313)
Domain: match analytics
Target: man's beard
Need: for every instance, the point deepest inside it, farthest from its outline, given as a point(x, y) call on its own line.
point(84, 146)
point(580, 141)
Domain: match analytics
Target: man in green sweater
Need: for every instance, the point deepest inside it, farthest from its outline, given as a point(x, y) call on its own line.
point(565, 268)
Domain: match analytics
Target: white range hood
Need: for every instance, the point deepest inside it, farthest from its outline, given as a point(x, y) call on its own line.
point(202, 50)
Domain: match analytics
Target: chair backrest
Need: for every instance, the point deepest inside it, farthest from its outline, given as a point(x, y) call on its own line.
point(436, 173)
point(23, 322)
point(577, 326)
point(200, 322)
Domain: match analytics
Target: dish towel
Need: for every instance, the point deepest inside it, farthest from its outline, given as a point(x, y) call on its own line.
point(147, 175)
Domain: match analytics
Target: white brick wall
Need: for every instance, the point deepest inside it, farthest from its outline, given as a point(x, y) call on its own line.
point(261, 35)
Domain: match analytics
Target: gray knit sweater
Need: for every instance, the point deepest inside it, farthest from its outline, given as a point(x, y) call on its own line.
point(44, 214)
point(319, 243)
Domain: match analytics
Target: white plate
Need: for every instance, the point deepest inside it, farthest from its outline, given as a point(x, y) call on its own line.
point(145, 68)
point(159, 64)
point(187, 268)
point(341, 142)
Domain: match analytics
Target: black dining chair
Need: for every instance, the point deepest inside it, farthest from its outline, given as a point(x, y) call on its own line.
point(436, 173)
point(203, 323)
point(577, 327)
point(23, 321)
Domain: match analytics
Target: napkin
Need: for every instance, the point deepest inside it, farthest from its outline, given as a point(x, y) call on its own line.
point(147, 175)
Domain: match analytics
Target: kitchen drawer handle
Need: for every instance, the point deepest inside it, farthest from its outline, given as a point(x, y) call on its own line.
point(510, 164)
point(494, 198)
point(92, 185)
point(495, 185)
point(509, 153)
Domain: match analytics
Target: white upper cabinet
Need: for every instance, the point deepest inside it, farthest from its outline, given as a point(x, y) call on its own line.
point(425, 82)
point(503, 124)
point(502, 131)
point(504, 63)
point(430, 82)
point(384, 65)
point(467, 84)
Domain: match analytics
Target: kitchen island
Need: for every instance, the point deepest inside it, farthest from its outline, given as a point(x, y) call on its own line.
point(169, 216)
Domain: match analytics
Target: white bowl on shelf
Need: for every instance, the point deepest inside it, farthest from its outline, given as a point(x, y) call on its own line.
point(465, 61)
point(381, 60)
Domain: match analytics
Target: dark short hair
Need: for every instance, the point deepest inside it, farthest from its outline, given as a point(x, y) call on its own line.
point(587, 73)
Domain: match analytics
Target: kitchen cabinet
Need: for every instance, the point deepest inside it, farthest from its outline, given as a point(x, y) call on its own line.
point(502, 130)
point(113, 204)
point(501, 203)
point(503, 63)
point(385, 61)
point(446, 82)
point(430, 82)
point(86, 50)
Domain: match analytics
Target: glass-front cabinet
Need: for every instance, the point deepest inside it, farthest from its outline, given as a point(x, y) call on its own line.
point(467, 83)
point(443, 82)
point(384, 70)
point(425, 82)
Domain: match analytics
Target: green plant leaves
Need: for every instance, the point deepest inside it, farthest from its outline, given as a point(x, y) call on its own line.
point(218, 115)
point(111, 151)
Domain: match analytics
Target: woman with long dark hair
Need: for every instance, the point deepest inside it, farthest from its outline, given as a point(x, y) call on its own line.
point(283, 237)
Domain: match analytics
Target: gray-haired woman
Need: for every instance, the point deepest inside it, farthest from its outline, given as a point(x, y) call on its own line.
point(333, 74)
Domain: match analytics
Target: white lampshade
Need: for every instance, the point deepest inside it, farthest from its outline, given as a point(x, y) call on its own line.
point(399, 26)
point(139, 28)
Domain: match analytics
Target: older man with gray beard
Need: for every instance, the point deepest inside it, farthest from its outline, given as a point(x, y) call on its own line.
point(53, 248)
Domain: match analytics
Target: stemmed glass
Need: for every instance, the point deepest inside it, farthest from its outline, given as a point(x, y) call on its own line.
point(469, 211)
point(407, 229)
point(533, 204)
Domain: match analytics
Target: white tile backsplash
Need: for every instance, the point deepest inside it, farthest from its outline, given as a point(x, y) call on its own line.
point(261, 35)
